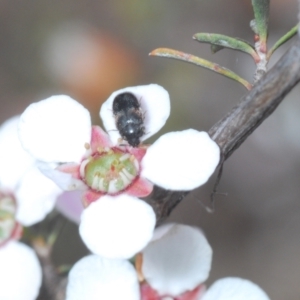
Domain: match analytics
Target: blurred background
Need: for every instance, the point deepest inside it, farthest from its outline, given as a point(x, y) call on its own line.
point(88, 49)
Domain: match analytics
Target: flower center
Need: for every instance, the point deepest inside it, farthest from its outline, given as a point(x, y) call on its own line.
point(109, 172)
point(7, 216)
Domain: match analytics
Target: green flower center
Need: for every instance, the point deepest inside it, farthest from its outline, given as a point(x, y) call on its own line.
point(7, 216)
point(110, 172)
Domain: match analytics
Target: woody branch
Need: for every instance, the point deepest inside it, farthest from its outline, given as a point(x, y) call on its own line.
point(232, 130)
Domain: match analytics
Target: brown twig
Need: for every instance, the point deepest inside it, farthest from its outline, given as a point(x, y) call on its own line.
point(54, 285)
point(231, 131)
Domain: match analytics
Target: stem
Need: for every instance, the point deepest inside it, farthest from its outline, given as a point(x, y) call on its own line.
point(231, 131)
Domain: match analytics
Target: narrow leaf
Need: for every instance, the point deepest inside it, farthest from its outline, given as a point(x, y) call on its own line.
point(170, 53)
point(283, 40)
point(225, 41)
point(261, 14)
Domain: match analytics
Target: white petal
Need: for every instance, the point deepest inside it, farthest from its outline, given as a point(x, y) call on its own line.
point(95, 278)
point(21, 274)
point(14, 160)
point(181, 160)
point(177, 260)
point(70, 205)
point(64, 180)
point(55, 129)
point(117, 227)
point(36, 196)
point(155, 103)
point(234, 289)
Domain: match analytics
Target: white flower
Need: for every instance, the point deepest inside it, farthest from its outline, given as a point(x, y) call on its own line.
point(21, 274)
point(94, 277)
point(177, 260)
point(77, 156)
point(117, 227)
point(233, 288)
point(176, 263)
point(35, 194)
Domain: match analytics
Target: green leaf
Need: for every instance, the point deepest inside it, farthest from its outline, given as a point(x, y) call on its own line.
point(225, 41)
point(283, 40)
point(170, 53)
point(261, 14)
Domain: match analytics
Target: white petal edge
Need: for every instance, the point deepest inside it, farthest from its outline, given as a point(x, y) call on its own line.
point(21, 274)
point(117, 227)
point(70, 205)
point(94, 277)
point(233, 288)
point(14, 160)
point(64, 180)
point(36, 196)
point(55, 129)
point(155, 104)
point(182, 160)
point(177, 260)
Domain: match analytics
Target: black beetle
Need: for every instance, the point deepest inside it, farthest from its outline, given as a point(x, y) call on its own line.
point(129, 118)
